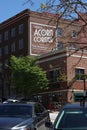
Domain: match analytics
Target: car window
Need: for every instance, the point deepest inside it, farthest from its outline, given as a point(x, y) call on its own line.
point(73, 118)
point(15, 110)
point(39, 108)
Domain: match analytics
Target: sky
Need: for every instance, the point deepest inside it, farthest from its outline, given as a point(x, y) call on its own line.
point(9, 8)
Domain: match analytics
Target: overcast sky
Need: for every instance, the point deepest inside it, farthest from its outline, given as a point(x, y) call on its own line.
point(9, 8)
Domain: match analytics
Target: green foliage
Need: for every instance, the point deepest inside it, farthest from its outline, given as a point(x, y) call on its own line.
point(27, 76)
point(61, 77)
point(43, 6)
point(79, 76)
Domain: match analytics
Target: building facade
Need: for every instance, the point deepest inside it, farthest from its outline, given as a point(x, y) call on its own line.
point(33, 33)
point(68, 67)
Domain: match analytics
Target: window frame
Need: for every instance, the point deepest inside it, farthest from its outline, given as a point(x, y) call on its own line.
point(13, 32)
point(54, 75)
point(59, 31)
point(74, 34)
point(13, 47)
point(79, 72)
point(6, 35)
point(21, 43)
point(59, 45)
point(74, 46)
point(21, 28)
point(6, 49)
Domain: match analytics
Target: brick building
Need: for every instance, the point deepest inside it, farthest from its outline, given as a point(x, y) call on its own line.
point(70, 65)
point(33, 33)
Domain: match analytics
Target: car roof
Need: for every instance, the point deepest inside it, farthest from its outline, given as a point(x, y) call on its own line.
point(76, 105)
point(19, 103)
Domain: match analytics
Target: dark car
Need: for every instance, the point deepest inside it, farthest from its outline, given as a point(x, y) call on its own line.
point(71, 117)
point(23, 116)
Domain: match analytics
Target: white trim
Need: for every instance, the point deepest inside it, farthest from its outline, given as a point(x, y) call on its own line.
point(75, 90)
point(66, 90)
point(56, 57)
point(79, 56)
point(42, 24)
point(79, 68)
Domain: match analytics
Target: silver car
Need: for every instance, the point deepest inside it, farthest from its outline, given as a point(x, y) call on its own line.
point(23, 116)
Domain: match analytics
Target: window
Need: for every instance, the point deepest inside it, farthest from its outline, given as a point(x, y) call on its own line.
point(59, 31)
point(17, 110)
point(59, 45)
point(6, 49)
point(6, 62)
point(13, 47)
point(6, 35)
point(79, 73)
point(73, 33)
point(13, 32)
point(0, 66)
point(74, 46)
point(72, 119)
point(21, 44)
point(0, 38)
point(0, 52)
point(20, 28)
point(54, 75)
point(78, 96)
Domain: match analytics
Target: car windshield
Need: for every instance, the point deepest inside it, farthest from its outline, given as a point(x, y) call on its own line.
point(15, 110)
point(72, 119)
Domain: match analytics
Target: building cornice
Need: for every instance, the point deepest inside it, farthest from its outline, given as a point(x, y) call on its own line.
point(14, 19)
point(65, 52)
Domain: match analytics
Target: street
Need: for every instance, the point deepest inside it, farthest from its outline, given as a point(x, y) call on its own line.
point(53, 115)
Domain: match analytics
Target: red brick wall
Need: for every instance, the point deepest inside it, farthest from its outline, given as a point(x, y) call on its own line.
point(73, 62)
point(66, 63)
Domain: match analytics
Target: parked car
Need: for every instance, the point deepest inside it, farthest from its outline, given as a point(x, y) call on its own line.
point(11, 100)
point(71, 117)
point(23, 116)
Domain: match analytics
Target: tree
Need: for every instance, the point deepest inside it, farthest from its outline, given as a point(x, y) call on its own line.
point(27, 77)
point(62, 77)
